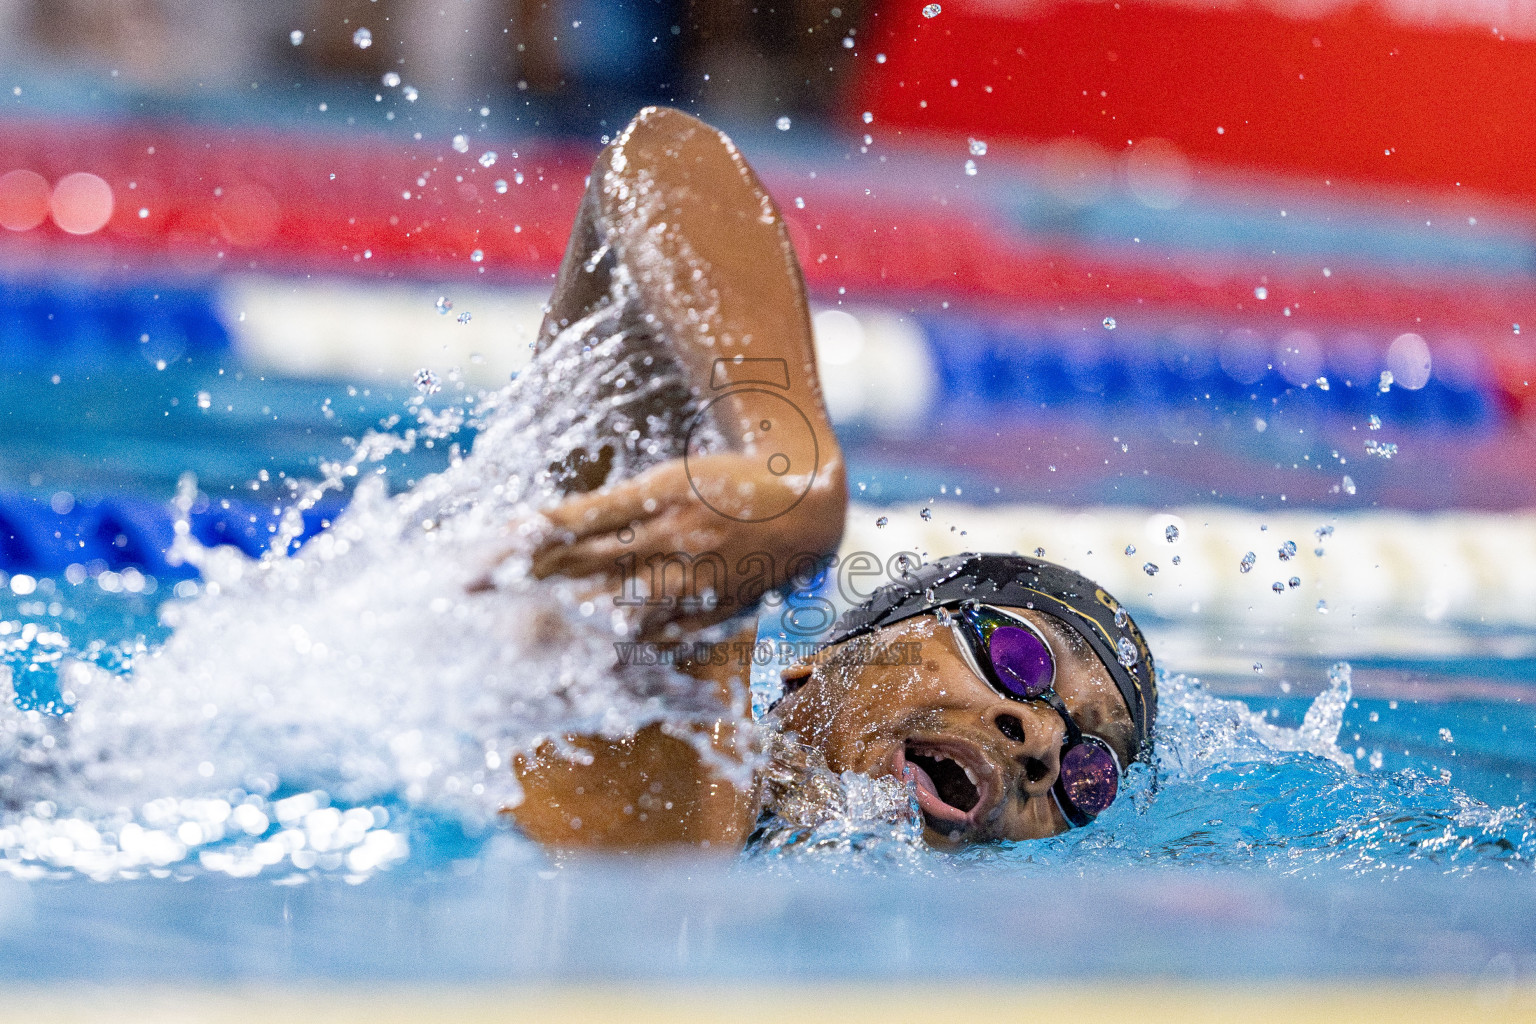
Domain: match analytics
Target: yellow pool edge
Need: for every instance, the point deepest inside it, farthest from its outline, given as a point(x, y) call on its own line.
point(649, 1003)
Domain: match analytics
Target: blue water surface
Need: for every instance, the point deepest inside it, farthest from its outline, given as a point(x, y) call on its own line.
point(1397, 841)
point(1231, 860)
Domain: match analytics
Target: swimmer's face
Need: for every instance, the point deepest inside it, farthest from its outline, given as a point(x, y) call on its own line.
point(905, 695)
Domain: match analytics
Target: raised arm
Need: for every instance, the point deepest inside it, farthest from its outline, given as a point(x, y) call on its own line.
point(676, 228)
point(677, 220)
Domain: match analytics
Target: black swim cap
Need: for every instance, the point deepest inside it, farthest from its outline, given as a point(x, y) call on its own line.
point(1023, 583)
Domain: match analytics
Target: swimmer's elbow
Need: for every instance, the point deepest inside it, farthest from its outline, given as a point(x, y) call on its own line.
point(829, 511)
point(649, 793)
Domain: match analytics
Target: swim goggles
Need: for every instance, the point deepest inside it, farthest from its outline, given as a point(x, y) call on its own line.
point(1015, 660)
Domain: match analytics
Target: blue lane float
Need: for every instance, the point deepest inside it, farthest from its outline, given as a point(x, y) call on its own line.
point(983, 367)
point(98, 323)
point(119, 533)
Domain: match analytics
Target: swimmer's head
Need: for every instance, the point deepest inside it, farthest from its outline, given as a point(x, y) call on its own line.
point(1012, 691)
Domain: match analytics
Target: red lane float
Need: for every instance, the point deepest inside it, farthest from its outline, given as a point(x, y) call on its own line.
point(1414, 92)
point(207, 200)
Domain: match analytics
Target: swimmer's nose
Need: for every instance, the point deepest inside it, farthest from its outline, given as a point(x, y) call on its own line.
point(1033, 744)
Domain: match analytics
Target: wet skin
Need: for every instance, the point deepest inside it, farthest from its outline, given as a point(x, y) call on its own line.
point(984, 764)
point(718, 234)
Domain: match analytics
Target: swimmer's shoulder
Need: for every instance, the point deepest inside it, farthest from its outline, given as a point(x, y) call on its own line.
point(651, 791)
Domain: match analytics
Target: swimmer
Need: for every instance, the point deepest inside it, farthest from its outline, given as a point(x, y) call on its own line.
point(1011, 692)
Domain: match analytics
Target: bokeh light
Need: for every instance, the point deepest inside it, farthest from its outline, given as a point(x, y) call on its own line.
point(81, 203)
point(23, 200)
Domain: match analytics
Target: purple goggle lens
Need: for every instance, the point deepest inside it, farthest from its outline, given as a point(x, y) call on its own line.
point(1023, 668)
point(1022, 661)
point(1089, 778)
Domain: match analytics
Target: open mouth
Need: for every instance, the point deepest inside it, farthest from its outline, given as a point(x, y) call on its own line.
point(948, 790)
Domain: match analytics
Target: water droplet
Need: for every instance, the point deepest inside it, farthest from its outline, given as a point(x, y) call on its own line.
point(1287, 550)
point(1294, 582)
point(978, 148)
point(465, 317)
point(1373, 422)
point(476, 256)
point(868, 117)
point(1130, 549)
point(1278, 587)
point(932, 11)
point(1039, 552)
point(799, 202)
point(487, 159)
point(1125, 652)
point(782, 124)
point(204, 400)
point(1385, 449)
point(362, 39)
point(1322, 383)
point(1258, 666)
point(297, 36)
point(391, 79)
point(501, 186)
point(1385, 384)
point(970, 168)
point(426, 382)
point(1261, 293)
point(927, 514)
point(1348, 484)
point(1445, 734)
point(1322, 607)
point(1247, 563)
point(1323, 531)
point(461, 144)
point(1150, 569)
point(1109, 323)
point(1121, 617)
point(882, 521)
point(1171, 534)
point(444, 304)
point(410, 93)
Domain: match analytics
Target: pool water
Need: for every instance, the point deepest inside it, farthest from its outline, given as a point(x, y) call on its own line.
point(290, 767)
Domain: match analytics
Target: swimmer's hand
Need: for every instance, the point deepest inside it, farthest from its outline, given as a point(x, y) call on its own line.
point(699, 540)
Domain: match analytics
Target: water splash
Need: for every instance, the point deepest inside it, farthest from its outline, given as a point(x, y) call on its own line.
point(1227, 787)
point(1234, 789)
point(358, 669)
point(848, 819)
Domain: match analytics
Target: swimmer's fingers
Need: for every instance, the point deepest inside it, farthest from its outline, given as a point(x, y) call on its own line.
point(591, 557)
point(582, 535)
point(528, 536)
point(624, 504)
point(601, 555)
